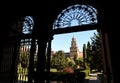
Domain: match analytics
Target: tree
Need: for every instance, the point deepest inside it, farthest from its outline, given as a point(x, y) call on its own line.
point(71, 62)
point(89, 55)
point(78, 62)
point(97, 52)
point(84, 55)
point(59, 60)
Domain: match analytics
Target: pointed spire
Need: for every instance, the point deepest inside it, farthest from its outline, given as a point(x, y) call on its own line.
point(73, 42)
point(73, 38)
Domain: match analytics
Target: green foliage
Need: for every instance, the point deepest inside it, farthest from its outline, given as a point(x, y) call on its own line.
point(71, 62)
point(84, 52)
point(76, 57)
point(79, 62)
point(89, 55)
point(87, 71)
point(59, 60)
point(53, 70)
point(94, 53)
point(24, 59)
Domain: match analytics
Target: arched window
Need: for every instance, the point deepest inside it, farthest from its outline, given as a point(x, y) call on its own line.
point(25, 48)
point(28, 25)
point(76, 15)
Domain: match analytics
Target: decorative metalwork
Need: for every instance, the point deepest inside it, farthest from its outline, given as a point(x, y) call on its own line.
point(28, 25)
point(76, 15)
point(23, 60)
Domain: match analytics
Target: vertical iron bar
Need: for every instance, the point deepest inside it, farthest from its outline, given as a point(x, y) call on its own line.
point(31, 61)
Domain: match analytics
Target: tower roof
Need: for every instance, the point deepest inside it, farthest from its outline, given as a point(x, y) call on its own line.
point(73, 38)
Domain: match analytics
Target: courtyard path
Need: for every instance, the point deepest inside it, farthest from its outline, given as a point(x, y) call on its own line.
point(94, 78)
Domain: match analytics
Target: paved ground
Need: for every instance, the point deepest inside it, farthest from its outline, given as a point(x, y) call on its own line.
point(94, 78)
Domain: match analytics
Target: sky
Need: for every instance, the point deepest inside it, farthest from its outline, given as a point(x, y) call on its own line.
point(63, 41)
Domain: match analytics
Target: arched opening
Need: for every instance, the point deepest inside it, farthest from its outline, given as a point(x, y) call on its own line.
point(79, 51)
point(70, 20)
point(13, 34)
point(77, 18)
point(27, 51)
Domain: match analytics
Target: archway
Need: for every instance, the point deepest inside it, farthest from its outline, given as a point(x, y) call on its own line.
point(77, 18)
point(72, 20)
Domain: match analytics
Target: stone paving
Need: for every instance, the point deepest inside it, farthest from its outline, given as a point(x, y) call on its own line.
point(94, 78)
